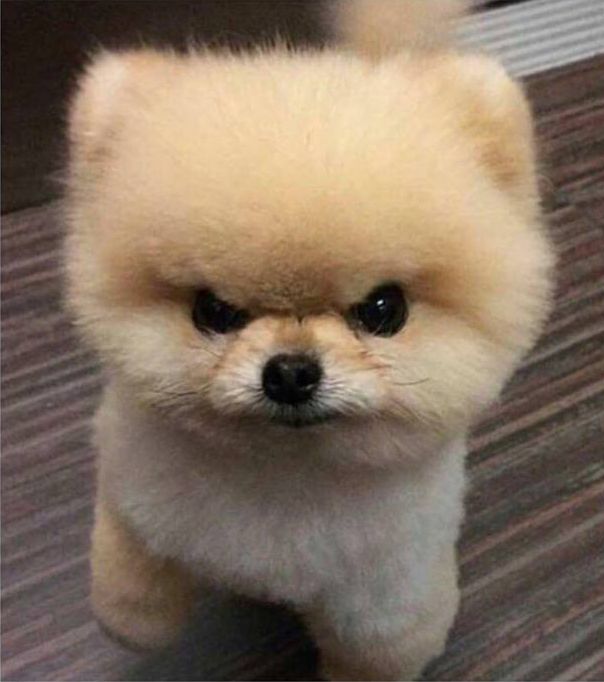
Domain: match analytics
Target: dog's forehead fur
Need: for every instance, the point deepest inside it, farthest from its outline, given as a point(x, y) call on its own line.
point(277, 184)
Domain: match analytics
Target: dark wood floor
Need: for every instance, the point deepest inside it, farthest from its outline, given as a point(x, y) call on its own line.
point(532, 551)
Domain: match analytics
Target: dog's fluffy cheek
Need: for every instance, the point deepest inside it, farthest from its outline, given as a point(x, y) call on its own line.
point(156, 354)
point(447, 373)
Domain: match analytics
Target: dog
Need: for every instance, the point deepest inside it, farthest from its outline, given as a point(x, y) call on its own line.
point(306, 273)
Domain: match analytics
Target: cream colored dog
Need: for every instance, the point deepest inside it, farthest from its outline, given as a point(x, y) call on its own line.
point(305, 273)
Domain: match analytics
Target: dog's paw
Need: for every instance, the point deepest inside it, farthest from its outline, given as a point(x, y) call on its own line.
point(141, 627)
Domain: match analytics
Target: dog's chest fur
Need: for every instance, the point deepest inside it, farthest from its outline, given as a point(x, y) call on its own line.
point(282, 525)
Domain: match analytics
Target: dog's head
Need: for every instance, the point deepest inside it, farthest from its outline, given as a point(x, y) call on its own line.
point(306, 240)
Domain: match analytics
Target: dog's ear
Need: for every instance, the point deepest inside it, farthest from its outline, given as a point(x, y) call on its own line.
point(106, 90)
point(494, 114)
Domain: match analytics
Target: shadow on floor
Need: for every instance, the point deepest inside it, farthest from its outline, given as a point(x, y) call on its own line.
point(269, 641)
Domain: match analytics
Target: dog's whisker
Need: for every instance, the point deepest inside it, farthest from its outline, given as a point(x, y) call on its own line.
point(410, 383)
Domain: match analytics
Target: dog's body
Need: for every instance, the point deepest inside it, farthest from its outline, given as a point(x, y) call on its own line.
point(314, 192)
point(366, 554)
point(279, 524)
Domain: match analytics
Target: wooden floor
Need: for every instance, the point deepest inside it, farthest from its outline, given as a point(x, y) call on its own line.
point(532, 551)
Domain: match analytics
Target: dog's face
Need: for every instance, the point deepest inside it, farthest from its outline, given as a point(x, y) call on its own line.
point(306, 241)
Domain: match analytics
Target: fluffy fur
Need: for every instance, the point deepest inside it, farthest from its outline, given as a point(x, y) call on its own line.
point(291, 184)
point(376, 28)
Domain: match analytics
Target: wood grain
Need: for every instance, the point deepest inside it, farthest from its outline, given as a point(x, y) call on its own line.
point(532, 550)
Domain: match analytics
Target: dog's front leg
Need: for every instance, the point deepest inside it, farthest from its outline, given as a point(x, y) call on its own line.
point(141, 600)
point(389, 637)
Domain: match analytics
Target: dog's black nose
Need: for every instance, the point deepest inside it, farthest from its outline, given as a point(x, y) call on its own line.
point(291, 379)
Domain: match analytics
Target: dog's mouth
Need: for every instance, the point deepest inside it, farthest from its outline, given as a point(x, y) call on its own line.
point(300, 420)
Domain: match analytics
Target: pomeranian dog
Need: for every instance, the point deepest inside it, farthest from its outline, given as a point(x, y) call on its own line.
point(305, 273)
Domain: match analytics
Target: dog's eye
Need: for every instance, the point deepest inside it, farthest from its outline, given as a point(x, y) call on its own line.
point(383, 312)
point(212, 314)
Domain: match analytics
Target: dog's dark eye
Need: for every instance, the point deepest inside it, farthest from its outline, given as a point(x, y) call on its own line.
point(212, 314)
point(383, 312)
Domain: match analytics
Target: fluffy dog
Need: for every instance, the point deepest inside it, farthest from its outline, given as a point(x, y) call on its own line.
point(305, 273)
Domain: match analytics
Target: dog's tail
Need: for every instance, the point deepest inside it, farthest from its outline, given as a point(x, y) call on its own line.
point(376, 28)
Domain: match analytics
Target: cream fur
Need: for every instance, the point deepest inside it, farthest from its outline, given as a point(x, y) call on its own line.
point(292, 184)
point(380, 27)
